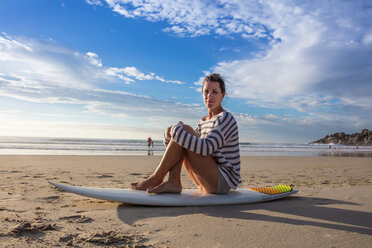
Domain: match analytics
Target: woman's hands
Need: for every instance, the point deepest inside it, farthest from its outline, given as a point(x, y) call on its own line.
point(168, 132)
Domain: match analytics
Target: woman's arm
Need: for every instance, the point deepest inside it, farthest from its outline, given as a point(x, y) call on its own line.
point(203, 146)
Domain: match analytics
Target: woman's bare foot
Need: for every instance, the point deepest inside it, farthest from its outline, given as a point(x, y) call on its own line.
point(166, 187)
point(149, 182)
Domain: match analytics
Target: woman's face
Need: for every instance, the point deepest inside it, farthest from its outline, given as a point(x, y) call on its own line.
point(212, 95)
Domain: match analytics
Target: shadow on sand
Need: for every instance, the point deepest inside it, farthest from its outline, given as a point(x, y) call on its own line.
point(314, 209)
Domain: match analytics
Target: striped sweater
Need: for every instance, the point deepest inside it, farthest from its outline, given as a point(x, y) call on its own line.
point(218, 137)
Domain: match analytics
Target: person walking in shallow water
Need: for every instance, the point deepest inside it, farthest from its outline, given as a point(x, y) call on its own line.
point(209, 154)
point(150, 143)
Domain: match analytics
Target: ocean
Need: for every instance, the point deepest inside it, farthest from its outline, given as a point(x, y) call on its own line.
point(75, 146)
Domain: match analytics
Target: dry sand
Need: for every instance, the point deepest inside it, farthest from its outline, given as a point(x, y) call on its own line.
point(332, 209)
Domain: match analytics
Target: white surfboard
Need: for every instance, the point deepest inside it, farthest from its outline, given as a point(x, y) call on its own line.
point(188, 197)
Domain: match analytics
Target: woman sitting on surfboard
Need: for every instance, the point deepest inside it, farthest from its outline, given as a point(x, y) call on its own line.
point(210, 153)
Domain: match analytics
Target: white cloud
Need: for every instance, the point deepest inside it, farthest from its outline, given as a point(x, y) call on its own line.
point(319, 57)
point(48, 75)
point(127, 73)
point(94, 2)
point(320, 53)
point(134, 72)
point(117, 72)
point(317, 47)
point(367, 39)
point(37, 64)
point(98, 101)
point(195, 17)
point(94, 59)
point(286, 128)
point(176, 29)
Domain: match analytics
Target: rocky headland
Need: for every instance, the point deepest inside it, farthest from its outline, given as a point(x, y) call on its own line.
point(357, 139)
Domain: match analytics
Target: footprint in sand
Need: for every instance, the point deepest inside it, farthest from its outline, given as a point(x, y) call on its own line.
point(27, 227)
point(68, 206)
point(68, 239)
point(100, 176)
point(51, 199)
point(39, 176)
point(77, 219)
point(104, 176)
point(325, 182)
point(111, 238)
point(103, 239)
point(135, 174)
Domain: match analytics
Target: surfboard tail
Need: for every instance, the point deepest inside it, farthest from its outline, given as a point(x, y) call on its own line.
point(275, 190)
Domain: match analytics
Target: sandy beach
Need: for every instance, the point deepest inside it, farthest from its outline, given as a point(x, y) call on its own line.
point(332, 209)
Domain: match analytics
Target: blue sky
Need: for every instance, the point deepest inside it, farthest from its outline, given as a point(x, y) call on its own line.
point(295, 70)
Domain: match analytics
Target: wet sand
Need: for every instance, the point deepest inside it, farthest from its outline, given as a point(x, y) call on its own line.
point(332, 209)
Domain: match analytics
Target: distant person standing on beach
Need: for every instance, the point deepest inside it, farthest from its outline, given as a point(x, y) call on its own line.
point(150, 143)
point(210, 153)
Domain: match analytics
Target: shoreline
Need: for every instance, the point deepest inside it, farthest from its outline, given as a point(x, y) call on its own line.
point(331, 153)
point(76, 146)
point(332, 208)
